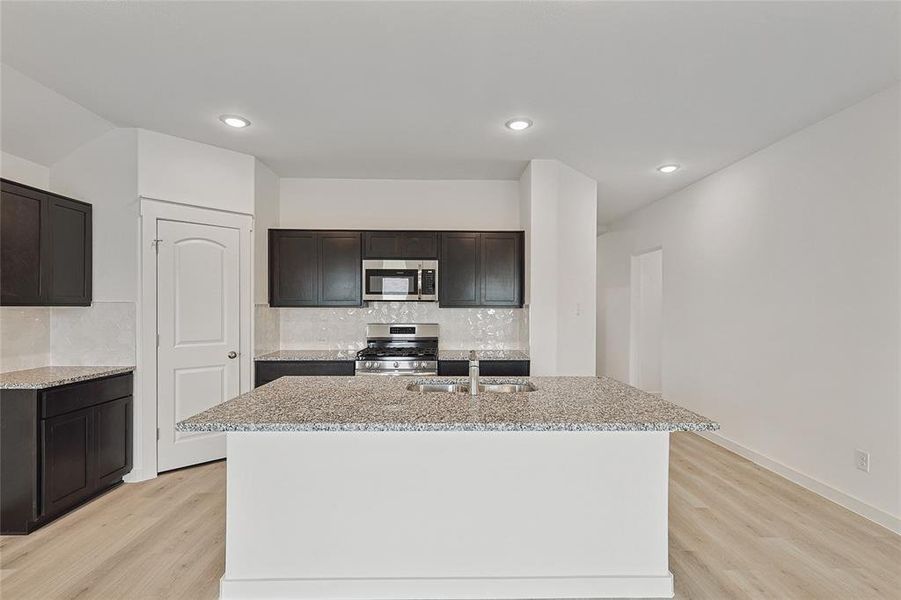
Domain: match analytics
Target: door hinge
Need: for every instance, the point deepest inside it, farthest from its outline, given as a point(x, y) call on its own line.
point(157, 434)
point(156, 244)
point(157, 340)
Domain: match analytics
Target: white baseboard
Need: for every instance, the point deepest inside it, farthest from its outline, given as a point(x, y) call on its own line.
point(137, 475)
point(427, 588)
point(878, 516)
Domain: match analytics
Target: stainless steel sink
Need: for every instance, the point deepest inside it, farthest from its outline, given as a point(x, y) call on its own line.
point(462, 388)
point(438, 387)
point(506, 388)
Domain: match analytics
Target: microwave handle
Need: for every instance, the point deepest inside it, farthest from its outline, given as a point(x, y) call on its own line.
point(419, 281)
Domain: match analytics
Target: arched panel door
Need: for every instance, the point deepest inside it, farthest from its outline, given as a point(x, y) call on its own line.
point(198, 324)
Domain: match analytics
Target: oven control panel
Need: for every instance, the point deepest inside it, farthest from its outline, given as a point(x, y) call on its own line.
point(396, 367)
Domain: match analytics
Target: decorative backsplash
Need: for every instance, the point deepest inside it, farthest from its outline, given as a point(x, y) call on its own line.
point(100, 334)
point(24, 337)
point(345, 328)
point(265, 329)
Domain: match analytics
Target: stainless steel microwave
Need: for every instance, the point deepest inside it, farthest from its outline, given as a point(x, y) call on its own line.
point(400, 280)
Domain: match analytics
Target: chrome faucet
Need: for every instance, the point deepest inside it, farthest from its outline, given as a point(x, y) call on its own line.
point(473, 374)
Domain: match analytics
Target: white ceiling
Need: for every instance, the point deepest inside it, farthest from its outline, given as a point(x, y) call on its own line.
point(421, 90)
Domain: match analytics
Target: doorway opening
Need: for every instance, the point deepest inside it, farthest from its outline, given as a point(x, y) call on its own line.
point(646, 326)
point(196, 326)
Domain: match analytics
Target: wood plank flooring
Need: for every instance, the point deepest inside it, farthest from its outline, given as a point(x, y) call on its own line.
point(736, 531)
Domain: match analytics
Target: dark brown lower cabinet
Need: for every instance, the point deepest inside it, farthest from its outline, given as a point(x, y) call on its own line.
point(487, 368)
point(270, 370)
point(61, 446)
point(67, 471)
point(112, 441)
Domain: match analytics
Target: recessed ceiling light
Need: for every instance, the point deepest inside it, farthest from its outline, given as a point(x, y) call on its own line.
point(518, 124)
point(235, 121)
point(668, 168)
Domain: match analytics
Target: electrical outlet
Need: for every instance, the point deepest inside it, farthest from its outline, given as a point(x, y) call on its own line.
point(862, 460)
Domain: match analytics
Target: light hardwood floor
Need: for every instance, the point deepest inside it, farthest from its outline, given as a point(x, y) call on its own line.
point(736, 531)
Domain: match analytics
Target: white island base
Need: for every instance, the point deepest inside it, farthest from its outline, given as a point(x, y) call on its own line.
point(447, 514)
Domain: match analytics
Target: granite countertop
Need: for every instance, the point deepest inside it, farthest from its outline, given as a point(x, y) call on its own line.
point(483, 355)
point(309, 355)
point(384, 404)
point(45, 377)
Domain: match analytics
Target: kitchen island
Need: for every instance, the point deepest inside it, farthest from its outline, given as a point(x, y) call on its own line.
point(356, 487)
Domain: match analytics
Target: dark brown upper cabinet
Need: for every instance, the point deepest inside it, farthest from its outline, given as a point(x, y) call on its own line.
point(315, 268)
point(458, 269)
point(340, 268)
point(400, 244)
point(481, 269)
point(293, 268)
point(45, 248)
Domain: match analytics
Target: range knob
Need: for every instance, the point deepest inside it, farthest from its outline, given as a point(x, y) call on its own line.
point(395, 364)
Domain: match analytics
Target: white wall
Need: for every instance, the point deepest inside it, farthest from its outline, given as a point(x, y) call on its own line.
point(40, 124)
point(265, 216)
point(104, 173)
point(24, 171)
point(576, 272)
point(525, 222)
point(178, 170)
point(266, 320)
point(781, 300)
point(399, 204)
point(559, 213)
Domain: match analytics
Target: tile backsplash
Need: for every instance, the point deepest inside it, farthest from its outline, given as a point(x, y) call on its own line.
point(24, 337)
point(104, 333)
point(37, 336)
point(100, 334)
point(460, 328)
point(266, 333)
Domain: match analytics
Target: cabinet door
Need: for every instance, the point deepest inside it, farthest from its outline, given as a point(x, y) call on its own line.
point(421, 244)
point(69, 266)
point(502, 268)
point(293, 268)
point(66, 459)
point(22, 245)
point(400, 244)
point(112, 441)
point(458, 275)
point(340, 268)
point(381, 244)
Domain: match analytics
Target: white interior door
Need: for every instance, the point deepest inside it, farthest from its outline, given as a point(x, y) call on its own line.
point(198, 322)
point(647, 321)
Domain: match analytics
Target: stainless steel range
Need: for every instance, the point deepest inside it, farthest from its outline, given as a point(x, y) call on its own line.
point(399, 349)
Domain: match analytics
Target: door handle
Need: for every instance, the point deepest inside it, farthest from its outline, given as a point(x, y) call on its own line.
point(232, 354)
